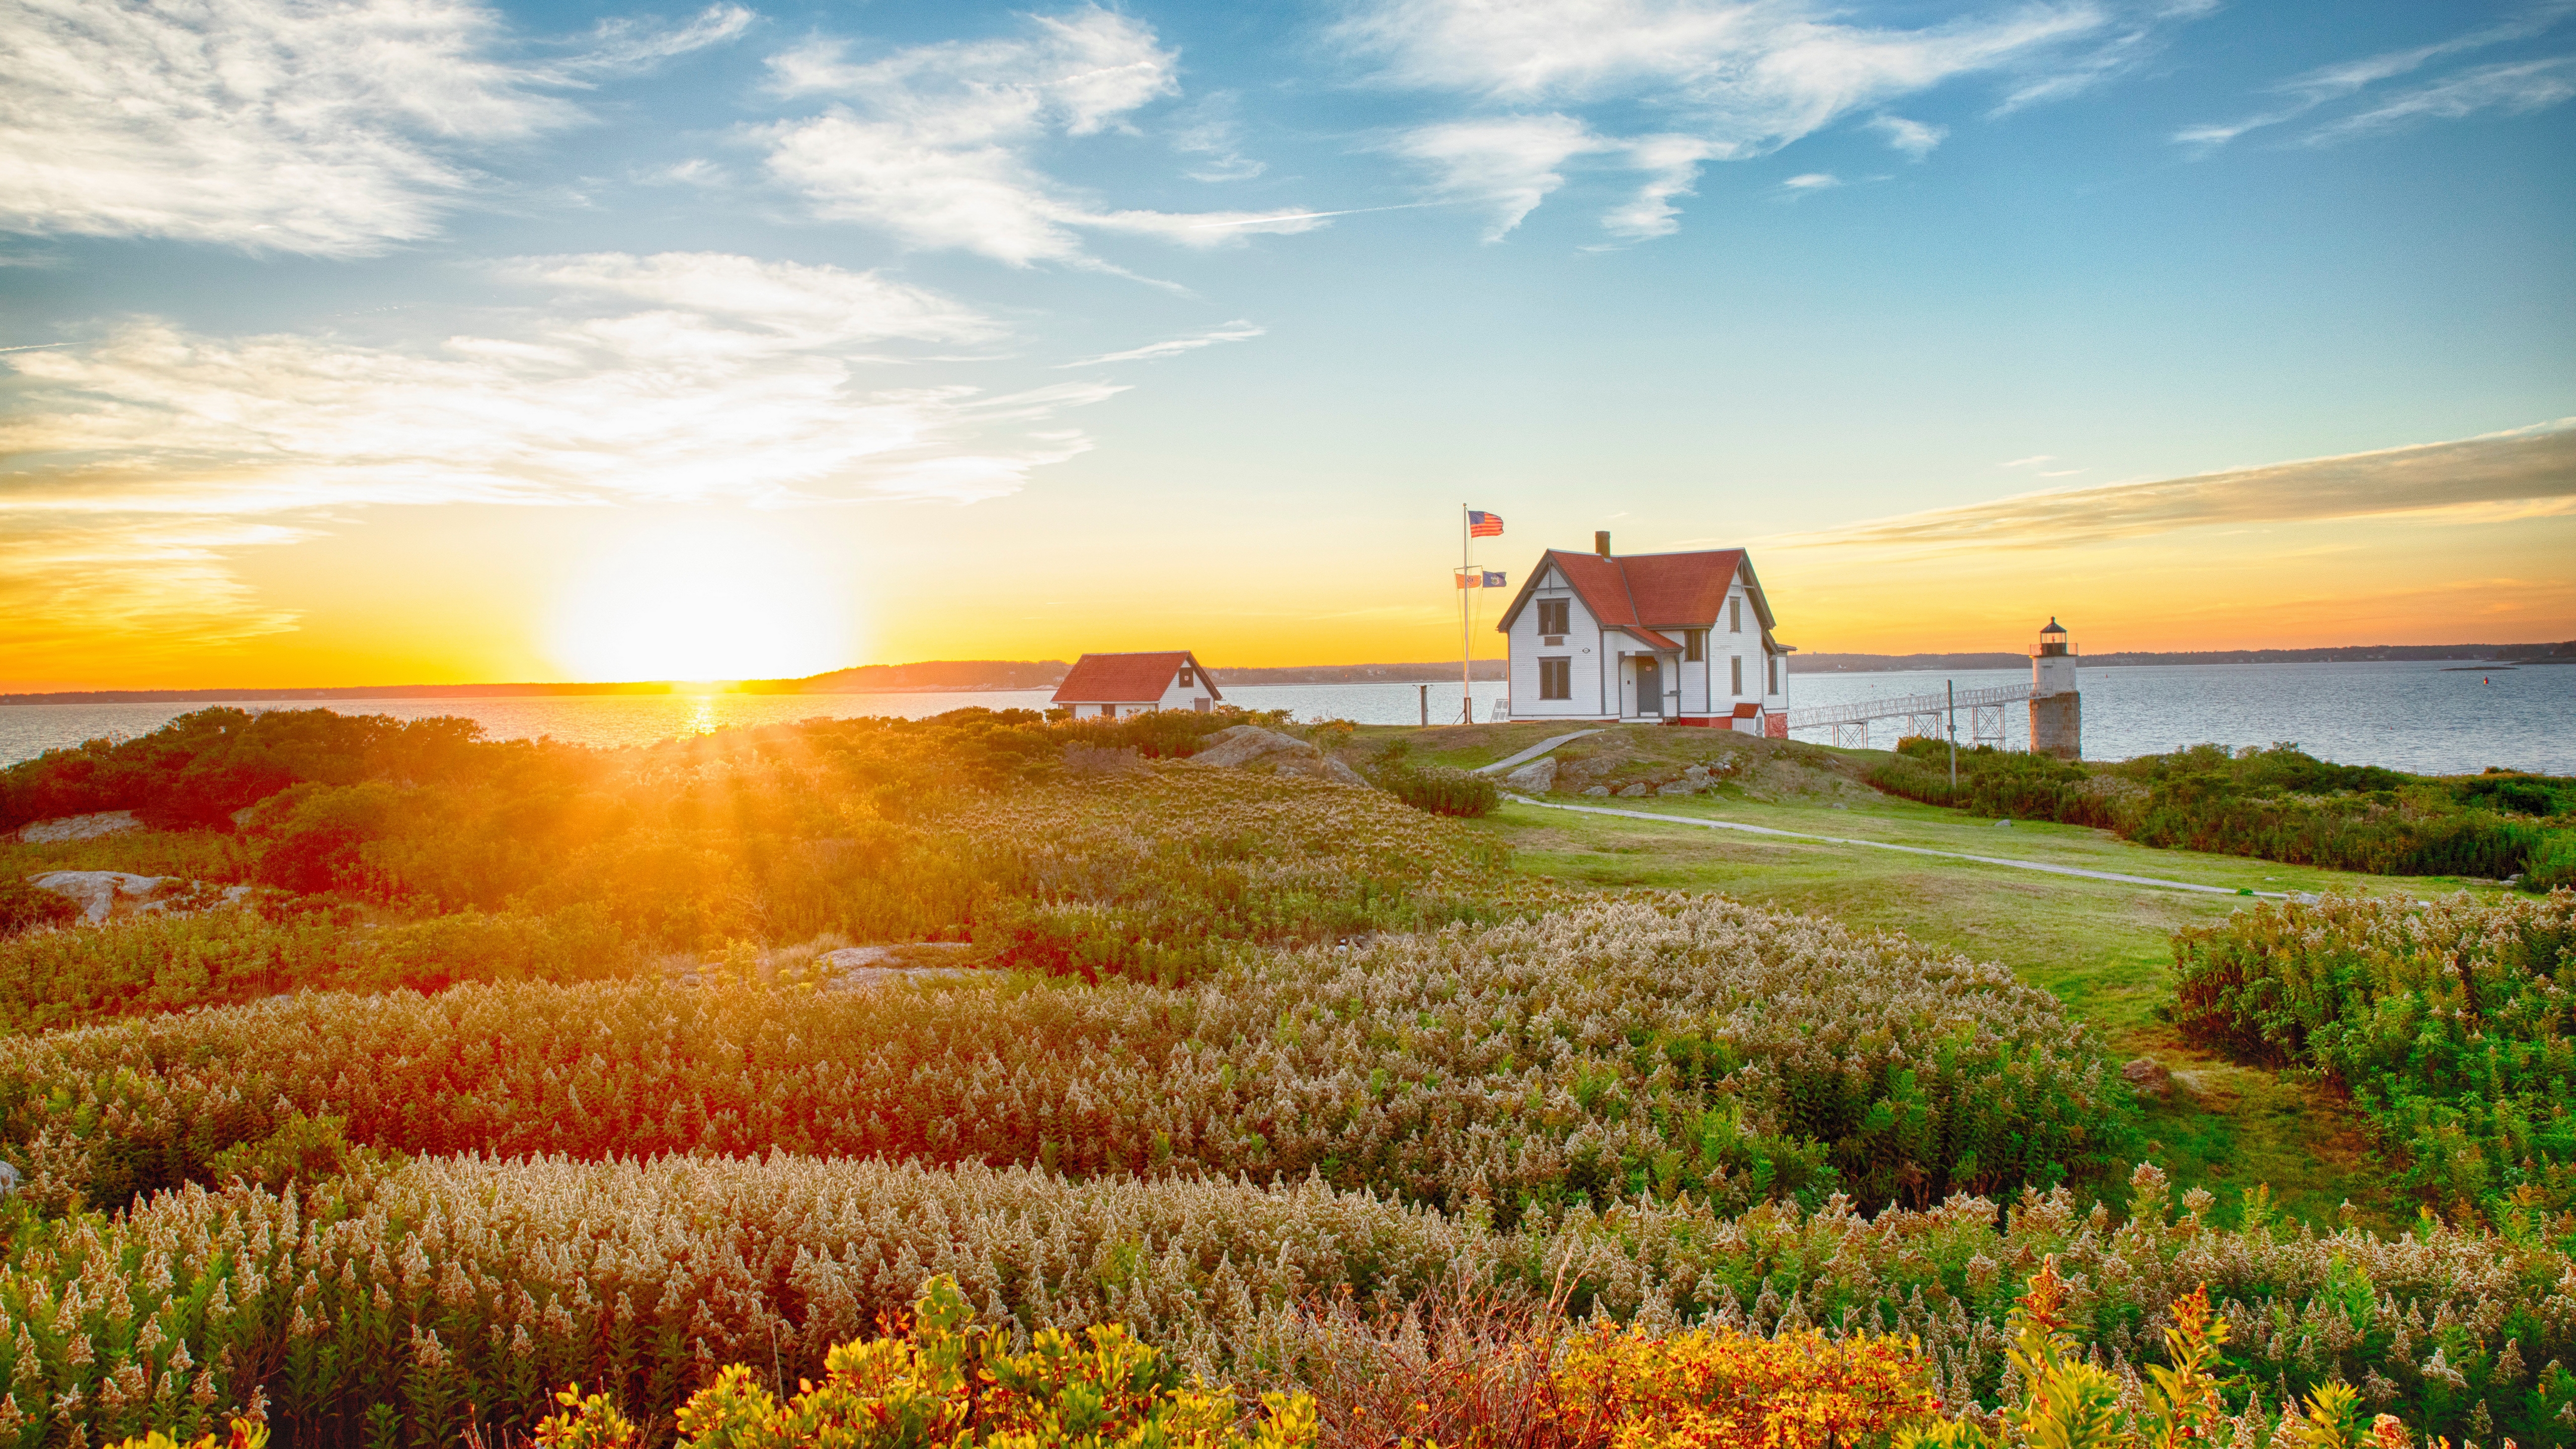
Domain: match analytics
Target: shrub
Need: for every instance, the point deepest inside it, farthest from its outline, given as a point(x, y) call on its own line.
point(1439, 790)
point(1725, 1389)
point(950, 1383)
point(23, 907)
point(2277, 803)
point(2447, 1023)
point(1656, 1045)
point(453, 1285)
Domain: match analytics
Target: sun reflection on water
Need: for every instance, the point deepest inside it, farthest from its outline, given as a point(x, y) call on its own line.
point(702, 716)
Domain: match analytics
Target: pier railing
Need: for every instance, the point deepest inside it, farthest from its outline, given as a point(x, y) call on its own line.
point(1923, 714)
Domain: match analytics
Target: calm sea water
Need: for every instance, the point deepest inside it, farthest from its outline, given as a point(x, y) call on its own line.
point(2426, 717)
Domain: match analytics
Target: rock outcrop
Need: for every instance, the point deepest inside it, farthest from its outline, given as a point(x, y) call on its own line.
point(78, 827)
point(2148, 1077)
point(98, 890)
point(1535, 778)
point(1251, 745)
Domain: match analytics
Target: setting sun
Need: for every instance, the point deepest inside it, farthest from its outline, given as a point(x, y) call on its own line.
point(702, 602)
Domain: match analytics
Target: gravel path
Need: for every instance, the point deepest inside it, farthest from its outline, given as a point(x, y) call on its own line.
point(2110, 875)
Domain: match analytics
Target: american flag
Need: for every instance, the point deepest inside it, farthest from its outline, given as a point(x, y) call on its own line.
point(1484, 525)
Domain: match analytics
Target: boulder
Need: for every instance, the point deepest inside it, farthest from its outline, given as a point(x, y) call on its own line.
point(1638, 791)
point(98, 890)
point(1696, 777)
point(1535, 778)
point(78, 827)
point(1252, 745)
point(2148, 1077)
point(1598, 790)
point(1243, 744)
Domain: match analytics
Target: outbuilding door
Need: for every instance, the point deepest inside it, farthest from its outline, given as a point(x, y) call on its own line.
point(1650, 685)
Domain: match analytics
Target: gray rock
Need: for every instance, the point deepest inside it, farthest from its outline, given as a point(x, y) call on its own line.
point(1535, 778)
point(97, 890)
point(1244, 744)
point(78, 827)
point(1696, 776)
point(1637, 791)
point(2148, 1077)
point(8, 1179)
point(1678, 787)
point(1598, 790)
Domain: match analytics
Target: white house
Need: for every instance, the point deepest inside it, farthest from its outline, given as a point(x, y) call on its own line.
point(1681, 637)
point(1107, 686)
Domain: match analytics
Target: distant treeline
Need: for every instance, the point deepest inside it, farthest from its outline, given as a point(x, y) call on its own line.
point(2472, 653)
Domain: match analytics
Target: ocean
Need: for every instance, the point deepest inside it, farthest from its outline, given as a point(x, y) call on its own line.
point(2430, 718)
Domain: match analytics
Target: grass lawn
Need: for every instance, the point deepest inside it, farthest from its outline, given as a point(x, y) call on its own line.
point(2103, 947)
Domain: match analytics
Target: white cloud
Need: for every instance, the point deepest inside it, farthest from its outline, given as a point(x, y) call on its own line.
point(1734, 79)
point(262, 124)
point(1211, 133)
point(775, 304)
point(2513, 86)
point(626, 46)
point(683, 377)
point(1174, 347)
point(1812, 181)
point(2516, 88)
point(1510, 164)
point(1913, 139)
point(932, 144)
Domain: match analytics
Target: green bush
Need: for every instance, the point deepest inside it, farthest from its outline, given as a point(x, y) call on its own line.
point(1437, 789)
point(2277, 804)
point(2447, 1023)
point(23, 907)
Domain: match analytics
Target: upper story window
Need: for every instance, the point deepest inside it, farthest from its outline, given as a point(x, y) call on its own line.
point(1694, 644)
point(1551, 616)
point(1735, 615)
point(1185, 677)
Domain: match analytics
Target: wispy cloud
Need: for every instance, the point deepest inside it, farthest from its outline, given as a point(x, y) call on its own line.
point(934, 144)
point(2520, 86)
point(630, 45)
point(2526, 472)
point(1174, 347)
point(680, 377)
point(1912, 139)
point(1732, 78)
point(1811, 181)
point(150, 588)
point(261, 124)
point(2516, 88)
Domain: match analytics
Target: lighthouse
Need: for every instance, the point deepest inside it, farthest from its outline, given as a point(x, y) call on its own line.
point(2056, 710)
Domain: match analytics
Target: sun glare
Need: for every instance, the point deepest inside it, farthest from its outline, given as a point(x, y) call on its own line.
point(702, 603)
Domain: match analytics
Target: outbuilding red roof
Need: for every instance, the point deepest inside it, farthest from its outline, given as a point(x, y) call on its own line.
point(1649, 591)
point(1127, 678)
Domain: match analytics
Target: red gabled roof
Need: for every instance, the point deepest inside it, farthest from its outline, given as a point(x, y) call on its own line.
point(1646, 636)
point(1649, 591)
point(1127, 678)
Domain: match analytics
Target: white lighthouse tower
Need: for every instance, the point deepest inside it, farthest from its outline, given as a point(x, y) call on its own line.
point(2056, 710)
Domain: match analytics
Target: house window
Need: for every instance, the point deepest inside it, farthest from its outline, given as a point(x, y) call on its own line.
point(1551, 616)
point(1694, 644)
point(1185, 676)
point(1735, 673)
point(1109, 711)
point(1735, 615)
point(1775, 674)
point(1556, 679)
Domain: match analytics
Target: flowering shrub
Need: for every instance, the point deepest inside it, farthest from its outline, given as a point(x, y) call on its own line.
point(1724, 1389)
point(449, 1289)
point(1658, 1045)
point(2448, 1023)
point(950, 1383)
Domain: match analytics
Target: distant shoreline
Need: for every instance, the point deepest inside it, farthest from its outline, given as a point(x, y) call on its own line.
point(985, 677)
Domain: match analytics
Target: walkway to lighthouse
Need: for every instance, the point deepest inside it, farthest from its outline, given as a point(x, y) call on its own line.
point(1923, 714)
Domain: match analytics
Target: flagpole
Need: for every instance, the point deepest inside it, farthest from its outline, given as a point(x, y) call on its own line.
point(1466, 644)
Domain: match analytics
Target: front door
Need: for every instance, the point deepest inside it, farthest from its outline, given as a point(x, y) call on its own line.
point(1650, 685)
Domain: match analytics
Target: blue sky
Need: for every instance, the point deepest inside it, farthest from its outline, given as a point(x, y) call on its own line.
point(430, 340)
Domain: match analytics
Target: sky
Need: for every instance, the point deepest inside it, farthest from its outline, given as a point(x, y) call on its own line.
point(419, 341)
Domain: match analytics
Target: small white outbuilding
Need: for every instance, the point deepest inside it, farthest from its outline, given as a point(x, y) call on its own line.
point(1111, 686)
